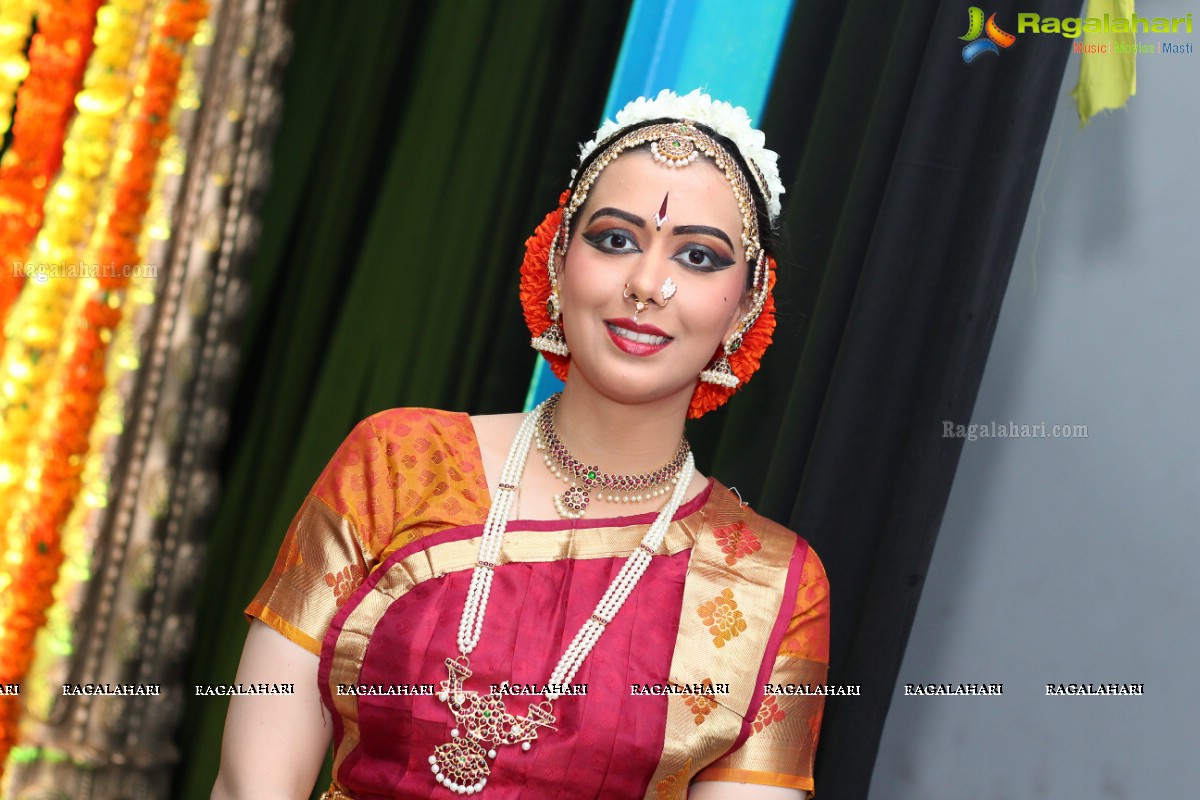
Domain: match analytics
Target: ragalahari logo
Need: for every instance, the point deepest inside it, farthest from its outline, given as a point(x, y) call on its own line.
point(996, 38)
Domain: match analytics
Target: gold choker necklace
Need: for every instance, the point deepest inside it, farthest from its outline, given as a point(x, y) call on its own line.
point(584, 479)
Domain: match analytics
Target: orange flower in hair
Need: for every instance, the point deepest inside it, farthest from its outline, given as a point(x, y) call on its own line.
point(535, 282)
point(745, 360)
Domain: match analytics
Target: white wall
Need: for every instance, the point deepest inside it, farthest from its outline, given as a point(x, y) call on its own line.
point(1077, 560)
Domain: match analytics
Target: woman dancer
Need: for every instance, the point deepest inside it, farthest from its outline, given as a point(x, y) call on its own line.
point(558, 604)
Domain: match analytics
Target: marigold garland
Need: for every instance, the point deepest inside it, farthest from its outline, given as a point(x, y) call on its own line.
point(535, 292)
point(16, 23)
point(53, 640)
point(38, 316)
point(122, 31)
point(56, 59)
point(34, 550)
point(535, 281)
point(58, 53)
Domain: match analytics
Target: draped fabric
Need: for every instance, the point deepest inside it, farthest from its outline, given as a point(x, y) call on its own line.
point(373, 575)
point(909, 176)
point(423, 142)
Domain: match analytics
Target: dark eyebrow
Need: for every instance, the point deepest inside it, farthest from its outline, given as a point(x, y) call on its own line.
point(632, 219)
point(679, 230)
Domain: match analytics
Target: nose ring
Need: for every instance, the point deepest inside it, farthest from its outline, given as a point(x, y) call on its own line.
point(668, 290)
point(639, 305)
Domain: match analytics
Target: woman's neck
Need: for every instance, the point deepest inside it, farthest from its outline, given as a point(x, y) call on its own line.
point(618, 437)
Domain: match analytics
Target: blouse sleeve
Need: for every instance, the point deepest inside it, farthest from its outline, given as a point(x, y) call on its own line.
point(333, 541)
point(783, 739)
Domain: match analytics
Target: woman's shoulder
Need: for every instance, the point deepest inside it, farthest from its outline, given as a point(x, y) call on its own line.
point(804, 595)
point(487, 431)
point(390, 447)
point(729, 508)
point(738, 527)
point(400, 440)
point(414, 423)
point(402, 473)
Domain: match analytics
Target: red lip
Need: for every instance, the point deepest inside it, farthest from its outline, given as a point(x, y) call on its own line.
point(631, 347)
point(637, 327)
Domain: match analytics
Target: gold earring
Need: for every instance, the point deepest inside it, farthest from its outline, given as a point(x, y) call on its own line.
point(552, 340)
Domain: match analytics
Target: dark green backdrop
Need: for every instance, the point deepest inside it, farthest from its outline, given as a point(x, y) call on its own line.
point(423, 142)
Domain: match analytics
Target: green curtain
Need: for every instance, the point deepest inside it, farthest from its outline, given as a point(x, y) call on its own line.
point(421, 144)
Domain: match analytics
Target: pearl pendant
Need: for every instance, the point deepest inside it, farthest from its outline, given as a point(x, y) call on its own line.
point(462, 764)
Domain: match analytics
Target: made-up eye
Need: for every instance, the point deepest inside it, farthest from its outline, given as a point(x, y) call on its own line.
point(702, 259)
point(614, 240)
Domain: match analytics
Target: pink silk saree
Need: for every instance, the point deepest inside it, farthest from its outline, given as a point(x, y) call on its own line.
point(373, 574)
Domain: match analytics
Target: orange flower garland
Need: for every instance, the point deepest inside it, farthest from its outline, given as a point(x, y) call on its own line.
point(38, 316)
point(123, 28)
point(16, 21)
point(58, 54)
point(535, 282)
point(34, 533)
point(535, 292)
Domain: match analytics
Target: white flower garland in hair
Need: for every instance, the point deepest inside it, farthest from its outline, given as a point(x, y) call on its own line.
point(725, 118)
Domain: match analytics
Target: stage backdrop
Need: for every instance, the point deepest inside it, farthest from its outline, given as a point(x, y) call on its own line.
point(421, 145)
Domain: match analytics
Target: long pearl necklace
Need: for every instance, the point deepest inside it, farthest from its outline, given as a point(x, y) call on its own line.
point(482, 721)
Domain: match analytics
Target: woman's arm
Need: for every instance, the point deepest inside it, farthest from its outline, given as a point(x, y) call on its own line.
point(728, 790)
point(731, 791)
point(274, 745)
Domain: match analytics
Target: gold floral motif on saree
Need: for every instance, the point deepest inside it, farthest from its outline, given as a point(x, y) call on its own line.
point(722, 617)
point(723, 635)
point(675, 785)
point(701, 704)
point(768, 712)
point(345, 581)
point(737, 541)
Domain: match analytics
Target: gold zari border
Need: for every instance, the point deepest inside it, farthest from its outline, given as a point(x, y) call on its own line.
point(757, 584)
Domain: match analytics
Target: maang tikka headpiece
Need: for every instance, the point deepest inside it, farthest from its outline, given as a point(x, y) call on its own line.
point(677, 143)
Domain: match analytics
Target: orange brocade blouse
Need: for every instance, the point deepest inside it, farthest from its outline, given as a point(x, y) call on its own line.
point(373, 573)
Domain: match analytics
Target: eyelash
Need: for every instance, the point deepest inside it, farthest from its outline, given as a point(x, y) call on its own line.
point(596, 240)
point(716, 262)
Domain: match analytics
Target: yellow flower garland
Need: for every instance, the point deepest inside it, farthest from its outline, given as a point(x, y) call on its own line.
point(16, 23)
point(121, 31)
point(32, 340)
point(32, 551)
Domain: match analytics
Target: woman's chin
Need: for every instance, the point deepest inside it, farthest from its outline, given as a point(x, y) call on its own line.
point(635, 387)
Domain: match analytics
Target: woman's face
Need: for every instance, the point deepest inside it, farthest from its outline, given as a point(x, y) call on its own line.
point(615, 240)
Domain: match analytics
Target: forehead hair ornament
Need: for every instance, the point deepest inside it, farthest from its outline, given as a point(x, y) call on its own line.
point(675, 143)
point(729, 120)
